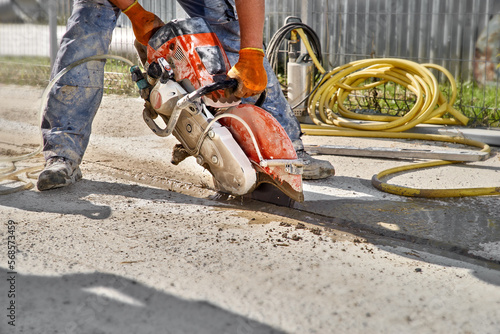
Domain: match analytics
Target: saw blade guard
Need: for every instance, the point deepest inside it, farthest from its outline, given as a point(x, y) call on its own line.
point(268, 147)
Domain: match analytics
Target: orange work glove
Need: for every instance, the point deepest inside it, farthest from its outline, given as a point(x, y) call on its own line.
point(144, 23)
point(250, 73)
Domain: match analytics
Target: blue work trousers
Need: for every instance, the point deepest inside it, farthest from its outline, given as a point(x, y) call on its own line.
point(75, 98)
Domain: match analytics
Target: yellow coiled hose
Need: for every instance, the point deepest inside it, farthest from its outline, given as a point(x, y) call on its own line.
point(430, 105)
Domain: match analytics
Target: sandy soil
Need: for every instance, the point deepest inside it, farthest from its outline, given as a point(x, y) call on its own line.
point(141, 246)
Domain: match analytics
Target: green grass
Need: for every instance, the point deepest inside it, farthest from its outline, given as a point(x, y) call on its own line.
point(35, 71)
point(479, 103)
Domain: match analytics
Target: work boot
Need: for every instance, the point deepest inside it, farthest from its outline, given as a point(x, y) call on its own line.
point(315, 169)
point(58, 172)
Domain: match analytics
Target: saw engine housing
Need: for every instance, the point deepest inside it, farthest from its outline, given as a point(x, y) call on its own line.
point(241, 145)
point(193, 52)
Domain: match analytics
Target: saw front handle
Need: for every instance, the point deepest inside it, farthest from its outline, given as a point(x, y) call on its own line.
point(186, 101)
point(225, 84)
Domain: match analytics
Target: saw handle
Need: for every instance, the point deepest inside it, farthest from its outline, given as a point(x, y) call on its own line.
point(261, 99)
point(186, 100)
point(229, 83)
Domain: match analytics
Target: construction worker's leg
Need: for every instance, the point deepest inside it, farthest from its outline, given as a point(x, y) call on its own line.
point(75, 98)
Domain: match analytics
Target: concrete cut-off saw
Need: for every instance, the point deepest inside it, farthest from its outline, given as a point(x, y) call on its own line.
point(245, 149)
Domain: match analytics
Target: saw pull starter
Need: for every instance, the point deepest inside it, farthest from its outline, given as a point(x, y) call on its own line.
point(241, 145)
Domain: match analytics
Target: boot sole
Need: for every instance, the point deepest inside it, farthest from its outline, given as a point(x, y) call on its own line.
point(51, 180)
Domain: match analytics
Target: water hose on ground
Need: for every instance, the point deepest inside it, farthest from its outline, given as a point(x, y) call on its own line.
point(430, 106)
point(10, 173)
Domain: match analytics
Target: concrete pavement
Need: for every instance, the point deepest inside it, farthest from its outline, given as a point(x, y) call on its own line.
point(142, 246)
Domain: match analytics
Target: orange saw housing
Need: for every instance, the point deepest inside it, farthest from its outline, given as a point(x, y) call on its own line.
point(193, 51)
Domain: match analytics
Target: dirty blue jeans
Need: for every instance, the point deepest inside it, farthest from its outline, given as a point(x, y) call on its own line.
point(75, 98)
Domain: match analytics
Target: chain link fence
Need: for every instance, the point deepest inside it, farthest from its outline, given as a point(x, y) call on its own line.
point(461, 35)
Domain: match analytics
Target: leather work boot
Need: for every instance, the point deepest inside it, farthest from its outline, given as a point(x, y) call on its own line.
point(315, 169)
point(58, 172)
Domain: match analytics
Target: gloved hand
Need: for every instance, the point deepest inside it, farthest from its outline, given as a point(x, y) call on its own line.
point(250, 73)
point(144, 23)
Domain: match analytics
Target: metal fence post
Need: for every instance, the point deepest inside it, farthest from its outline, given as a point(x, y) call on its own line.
point(53, 47)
